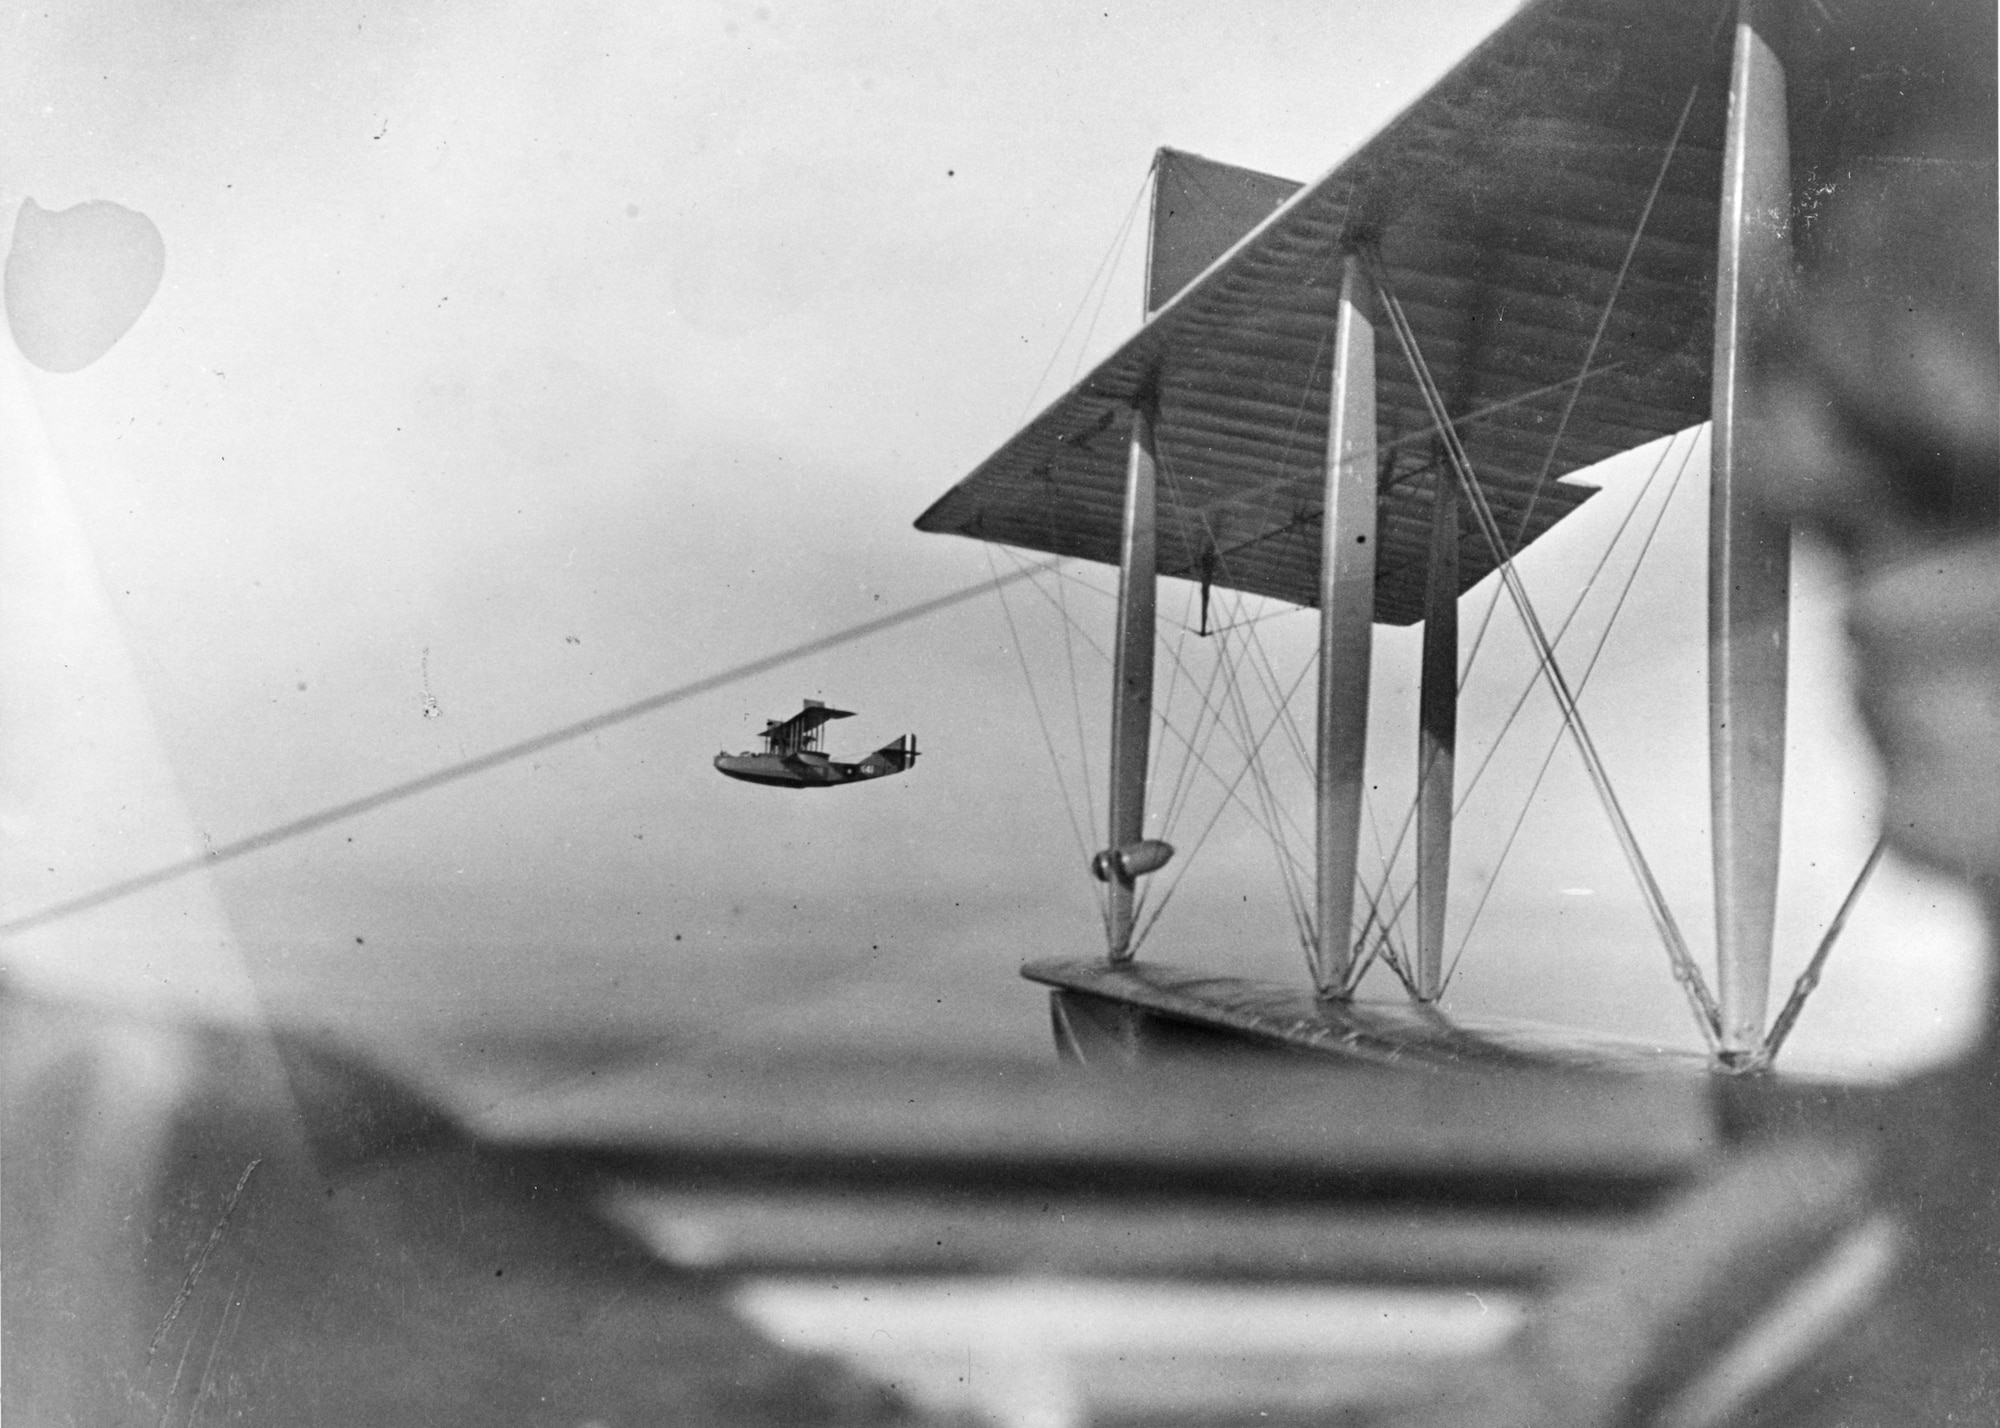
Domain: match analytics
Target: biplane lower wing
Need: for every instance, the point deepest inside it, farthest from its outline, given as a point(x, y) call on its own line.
point(1131, 1009)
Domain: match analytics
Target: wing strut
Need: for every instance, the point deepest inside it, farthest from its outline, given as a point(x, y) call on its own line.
point(1346, 626)
point(1437, 737)
point(1132, 673)
point(1749, 559)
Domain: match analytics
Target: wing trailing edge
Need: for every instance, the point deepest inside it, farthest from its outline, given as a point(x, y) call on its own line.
point(1503, 205)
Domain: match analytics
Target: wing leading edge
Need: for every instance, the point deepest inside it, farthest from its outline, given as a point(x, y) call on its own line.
point(1503, 206)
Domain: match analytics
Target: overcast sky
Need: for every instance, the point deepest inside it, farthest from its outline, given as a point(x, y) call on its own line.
point(514, 362)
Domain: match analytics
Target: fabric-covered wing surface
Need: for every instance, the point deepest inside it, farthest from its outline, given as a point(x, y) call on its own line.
point(803, 724)
point(1503, 205)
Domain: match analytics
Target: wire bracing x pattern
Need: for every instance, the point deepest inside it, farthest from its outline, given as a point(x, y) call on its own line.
point(1534, 678)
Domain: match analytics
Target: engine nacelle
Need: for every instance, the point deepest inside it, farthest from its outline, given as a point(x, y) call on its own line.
point(1131, 861)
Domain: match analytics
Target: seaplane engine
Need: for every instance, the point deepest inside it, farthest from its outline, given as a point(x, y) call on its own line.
point(1132, 861)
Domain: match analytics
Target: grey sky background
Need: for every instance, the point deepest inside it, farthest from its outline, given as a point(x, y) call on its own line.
point(516, 362)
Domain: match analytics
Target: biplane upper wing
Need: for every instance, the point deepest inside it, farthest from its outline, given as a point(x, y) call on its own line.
point(790, 733)
point(1504, 206)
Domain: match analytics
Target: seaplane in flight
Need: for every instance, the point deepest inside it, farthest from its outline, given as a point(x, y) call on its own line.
point(792, 758)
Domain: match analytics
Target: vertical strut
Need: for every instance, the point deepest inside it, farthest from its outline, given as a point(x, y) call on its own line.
point(1437, 735)
point(1749, 559)
point(1132, 670)
point(1346, 614)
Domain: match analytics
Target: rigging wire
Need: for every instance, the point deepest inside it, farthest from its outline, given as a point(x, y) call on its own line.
point(1267, 675)
point(1184, 782)
point(1589, 585)
point(1249, 745)
point(1072, 629)
point(1590, 355)
point(507, 754)
point(1707, 1013)
point(1382, 853)
point(1271, 816)
point(1116, 247)
point(1168, 724)
point(1548, 756)
point(1774, 1039)
point(1104, 294)
point(1294, 876)
point(1076, 716)
point(1275, 815)
point(1165, 821)
point(1604, 317)
point(1291, 871)
point(1534, 677)
point(1260, 780)
point(1230, 794)
point(1083, 849)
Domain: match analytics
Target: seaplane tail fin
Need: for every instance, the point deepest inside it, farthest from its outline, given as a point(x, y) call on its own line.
point(893, 758)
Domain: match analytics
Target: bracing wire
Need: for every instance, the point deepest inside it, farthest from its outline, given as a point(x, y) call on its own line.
point(1590, 665)
point(1083, 849)
point(1464, 797)
point(1189, 745)
point(1247, 746)
point(1604, 317)
point(1272, 817)
point(1270, 685)
point(1072, 630)
point(1249, 652)
point(1173, 688)
point(1076, 710)
point(1774, 1039)
point(1167, 723)
point(1117, 246)
point(1293, 876)
point(1104, 293)
point(1184, 781)
point(1071, 627)
point(1230, 794)
point(1589, 356)
point(483, 763)
point(1382, 853)
point(1576, 606)
point(1686, 972)
point(1260, 779)
point(1248, 743)
point(1163, 820)
point(1266, 674)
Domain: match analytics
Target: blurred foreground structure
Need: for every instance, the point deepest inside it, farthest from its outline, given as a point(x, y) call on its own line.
point(208, 1226)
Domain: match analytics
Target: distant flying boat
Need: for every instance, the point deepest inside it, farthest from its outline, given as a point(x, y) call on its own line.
point(791, 756)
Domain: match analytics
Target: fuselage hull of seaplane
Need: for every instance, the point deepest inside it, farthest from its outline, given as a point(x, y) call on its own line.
point(806, 770)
